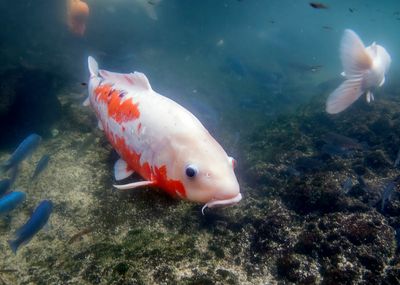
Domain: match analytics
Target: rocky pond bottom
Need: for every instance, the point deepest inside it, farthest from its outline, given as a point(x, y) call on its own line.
point(318, 208)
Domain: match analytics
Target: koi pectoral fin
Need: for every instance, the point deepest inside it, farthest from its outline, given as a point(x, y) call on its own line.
point(134, 185)
point(121, 169)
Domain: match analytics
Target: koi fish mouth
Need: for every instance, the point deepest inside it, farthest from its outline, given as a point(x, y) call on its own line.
point(222, 203)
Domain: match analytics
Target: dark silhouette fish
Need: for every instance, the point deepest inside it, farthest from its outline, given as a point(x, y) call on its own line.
point(347, 184)
point(26, 147)
point(317, 5)
point(342, 141)
point(333, 150)
point(397, 161)
point(363, 184)
point(40, 166)
point(397, 237)
point(10, 201)
point(36, 222)
point(387, 193)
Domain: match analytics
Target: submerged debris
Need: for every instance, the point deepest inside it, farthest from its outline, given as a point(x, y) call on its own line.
point(80, 234)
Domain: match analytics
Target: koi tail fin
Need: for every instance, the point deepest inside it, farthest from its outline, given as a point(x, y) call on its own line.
point(354, 57)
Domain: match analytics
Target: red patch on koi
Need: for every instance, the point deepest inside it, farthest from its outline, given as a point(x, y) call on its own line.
point(120, 112)
point(172, 187)
point(158, 175)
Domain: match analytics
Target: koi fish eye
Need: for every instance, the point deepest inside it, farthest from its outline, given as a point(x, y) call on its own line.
point(191, 170)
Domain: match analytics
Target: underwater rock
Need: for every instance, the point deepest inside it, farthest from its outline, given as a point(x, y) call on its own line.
point(377, 160)
point(287, 266)
point(30, 103)
point(7, 91)
point(314, 193)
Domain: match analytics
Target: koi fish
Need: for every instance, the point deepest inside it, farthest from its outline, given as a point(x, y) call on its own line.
point(160, 140)
point(364, 69)
point(77, 14)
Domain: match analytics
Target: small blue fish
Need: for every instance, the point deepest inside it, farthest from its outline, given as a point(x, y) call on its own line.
point(37, 221)
point(10, 201)
point(26, 147)
point(40, 166)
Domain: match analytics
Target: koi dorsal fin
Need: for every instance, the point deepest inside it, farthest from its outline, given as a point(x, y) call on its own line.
point(136, 80)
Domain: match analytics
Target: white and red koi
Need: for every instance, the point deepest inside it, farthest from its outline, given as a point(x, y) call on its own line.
point(160, 140)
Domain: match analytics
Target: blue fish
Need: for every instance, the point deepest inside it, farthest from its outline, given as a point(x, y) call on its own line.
point(37, 221)
point(26, 147)
point(40, 166)
point(10, 201)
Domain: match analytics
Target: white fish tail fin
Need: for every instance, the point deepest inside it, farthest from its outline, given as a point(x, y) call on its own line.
point(355, 59)
point(93, 66)
point(345, 95)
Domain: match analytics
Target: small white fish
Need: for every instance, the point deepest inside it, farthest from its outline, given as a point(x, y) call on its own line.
point(364, 69)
